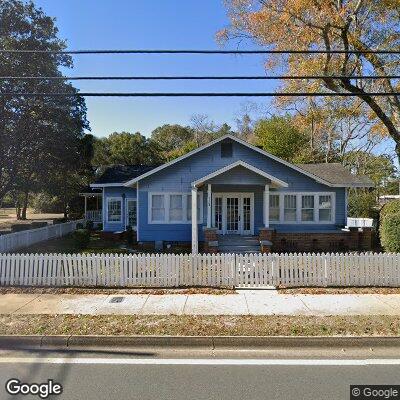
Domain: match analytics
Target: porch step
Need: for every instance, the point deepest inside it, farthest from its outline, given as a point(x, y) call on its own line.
point(239, 249)
point(235, 240)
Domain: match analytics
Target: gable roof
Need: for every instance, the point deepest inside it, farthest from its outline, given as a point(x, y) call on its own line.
point(116, 175)
point(243, 164)
point(337, 175)
point(322, 173)
point(234, 138)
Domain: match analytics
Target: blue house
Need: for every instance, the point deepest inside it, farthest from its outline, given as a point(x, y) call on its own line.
point(234, 191)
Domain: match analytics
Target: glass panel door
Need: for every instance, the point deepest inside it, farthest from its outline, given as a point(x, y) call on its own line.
point(232, 215)
point(218, 213)
point(131, 217)
point(246, 215)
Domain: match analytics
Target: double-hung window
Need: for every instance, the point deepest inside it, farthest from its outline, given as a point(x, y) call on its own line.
point(307, 208)
point(325, 208)
point(189, 207)
point(290, 207)
point(274, 209)
point(170, 208)
point(176, 208)
point(114, 209)
point(302, 207)
point(157, 208)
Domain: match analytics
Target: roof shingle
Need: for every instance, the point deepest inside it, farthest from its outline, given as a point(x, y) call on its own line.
point(122, 173)
point(336, 174)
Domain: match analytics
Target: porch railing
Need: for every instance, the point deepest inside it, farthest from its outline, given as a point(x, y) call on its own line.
point(93, 215)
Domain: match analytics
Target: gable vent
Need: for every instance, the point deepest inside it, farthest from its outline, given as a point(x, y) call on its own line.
point(226, 150)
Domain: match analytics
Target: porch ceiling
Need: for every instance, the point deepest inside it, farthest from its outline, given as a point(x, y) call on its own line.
point(274, 182)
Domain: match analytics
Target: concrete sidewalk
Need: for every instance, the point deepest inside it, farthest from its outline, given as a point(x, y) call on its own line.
point(244, 302)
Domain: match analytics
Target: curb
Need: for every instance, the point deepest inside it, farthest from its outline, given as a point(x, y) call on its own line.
point(197, 342)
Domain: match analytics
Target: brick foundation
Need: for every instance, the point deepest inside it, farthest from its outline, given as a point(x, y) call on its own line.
point(210, 244)
point(335, 241)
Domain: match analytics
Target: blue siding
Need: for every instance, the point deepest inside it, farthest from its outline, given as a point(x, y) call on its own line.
point(178, 178)
point(125, 193)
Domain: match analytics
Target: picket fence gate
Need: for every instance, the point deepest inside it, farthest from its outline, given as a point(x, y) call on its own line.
point(18, 240)
point(213, 270)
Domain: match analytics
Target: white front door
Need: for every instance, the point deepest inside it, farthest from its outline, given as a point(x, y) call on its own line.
point(233, 213)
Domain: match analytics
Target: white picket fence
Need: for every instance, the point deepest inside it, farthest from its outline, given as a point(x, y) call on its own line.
point(216, 270)
point(18, 240)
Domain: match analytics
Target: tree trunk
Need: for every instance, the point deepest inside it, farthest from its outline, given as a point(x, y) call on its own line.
point(24, 205)
point(18, 210)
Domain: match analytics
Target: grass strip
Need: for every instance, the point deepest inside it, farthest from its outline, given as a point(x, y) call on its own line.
point(200, 325)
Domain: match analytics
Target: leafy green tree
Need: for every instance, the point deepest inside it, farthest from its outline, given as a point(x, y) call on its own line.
point(170, 138)
point(379, 168)
point(280, 137)
point(37, 135)
point(127, 149)
point(363, 204)
point(224, 129)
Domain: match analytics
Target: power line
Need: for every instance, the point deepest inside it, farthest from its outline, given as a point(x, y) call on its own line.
point(193, 94)
point(220, 52)
point(248, 77)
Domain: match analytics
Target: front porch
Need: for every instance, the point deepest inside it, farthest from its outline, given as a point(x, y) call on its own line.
point(93, 205)
point(237, 206)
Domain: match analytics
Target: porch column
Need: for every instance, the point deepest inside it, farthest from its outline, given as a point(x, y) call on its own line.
point(85, 206)
point(195, 241)
point(266, 206)
point(209, 206)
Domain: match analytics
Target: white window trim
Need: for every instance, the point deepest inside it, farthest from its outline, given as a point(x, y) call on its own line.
point(298, 210)
point(273, 221)
point(109, 199)
point(127, 214)
point(167, 195)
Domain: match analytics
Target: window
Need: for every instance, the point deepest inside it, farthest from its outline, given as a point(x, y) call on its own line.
point(226, 150)
point(307, 208)
point(175, 207)
point(274, 207)
point(157, 207)
point(170, 208)
point(114, 209)
point(290, 201)
point(325, 208)
point(189, 207)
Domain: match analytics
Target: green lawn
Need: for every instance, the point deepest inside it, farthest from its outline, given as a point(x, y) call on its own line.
point(66, 245)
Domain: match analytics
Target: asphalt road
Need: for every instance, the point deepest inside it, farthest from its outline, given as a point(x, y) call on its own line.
point(193, 375)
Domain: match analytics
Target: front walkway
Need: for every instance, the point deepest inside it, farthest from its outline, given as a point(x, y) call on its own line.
point(244, 302)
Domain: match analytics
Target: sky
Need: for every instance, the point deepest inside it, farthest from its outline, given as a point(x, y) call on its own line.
point(156, 24)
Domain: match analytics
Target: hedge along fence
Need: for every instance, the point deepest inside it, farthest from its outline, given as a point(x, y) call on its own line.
point(213, 270)
point(18, 240)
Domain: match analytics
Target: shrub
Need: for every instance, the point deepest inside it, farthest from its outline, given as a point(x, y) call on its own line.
point(393, 207)
point(89, 225)
point(129, 236)
point(81, 238)
point(390, 232)
point(79, 225)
